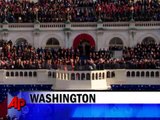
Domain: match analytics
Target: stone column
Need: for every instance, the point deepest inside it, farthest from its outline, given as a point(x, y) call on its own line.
point(99, 39)
point(36, 35)
point(132, 34)
point(67, 39)
point(5, 31)
point(99, 34)
point(67, 31)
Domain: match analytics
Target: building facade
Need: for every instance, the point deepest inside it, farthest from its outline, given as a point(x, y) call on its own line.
point(71, 35)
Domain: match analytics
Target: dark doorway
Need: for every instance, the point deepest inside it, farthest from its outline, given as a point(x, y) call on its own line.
point(84, 47)
point(148, 40)
point(52, 43)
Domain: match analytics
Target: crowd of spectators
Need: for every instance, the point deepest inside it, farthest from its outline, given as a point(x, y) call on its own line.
point(143, 55)
point(79, 10)
point(25, 56)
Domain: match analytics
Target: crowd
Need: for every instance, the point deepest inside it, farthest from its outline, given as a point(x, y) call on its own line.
point(143, 56)
point(25, 56)
point(79, 10)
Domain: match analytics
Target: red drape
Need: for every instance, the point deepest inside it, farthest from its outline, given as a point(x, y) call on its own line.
point(84, 36)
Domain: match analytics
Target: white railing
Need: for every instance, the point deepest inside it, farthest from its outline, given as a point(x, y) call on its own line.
point(80, 75)
point(84, 24)
point(116, 24)
point(52, 25)
point(81, 79)
point(21, 25)
point(147, 24)
point(81, 25)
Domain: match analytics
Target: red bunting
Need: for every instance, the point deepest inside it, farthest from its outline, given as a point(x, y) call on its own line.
point(84, 36)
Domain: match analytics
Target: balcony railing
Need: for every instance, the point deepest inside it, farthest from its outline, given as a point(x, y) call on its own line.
point(81, 79)
point(81, 75)
point(81, 25)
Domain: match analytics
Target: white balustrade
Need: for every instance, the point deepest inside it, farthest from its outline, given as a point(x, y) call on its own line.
point(81, 79)
point(81, 25)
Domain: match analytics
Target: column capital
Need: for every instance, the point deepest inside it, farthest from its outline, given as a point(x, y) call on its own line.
point(67, 32)
point(100, 25)
point(5, 27)
point(100, 31)
point(132, 31)
point(5, 32)
point(37, 26)
point(36, 32)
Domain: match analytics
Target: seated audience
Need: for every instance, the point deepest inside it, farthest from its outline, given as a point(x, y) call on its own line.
point(25, 56)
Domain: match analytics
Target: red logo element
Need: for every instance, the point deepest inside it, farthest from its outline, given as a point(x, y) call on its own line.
point(17, 103)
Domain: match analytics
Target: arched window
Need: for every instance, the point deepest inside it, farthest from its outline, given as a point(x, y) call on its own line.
point(82, 76)
point(148, 40)
point(72, 76)
point(137, 74)
point(12, 74)
point(128, 74)
point(49, 74)
point(7, 74)
point(21, 74)
point(100, 76)
point(88, 76)
point(147, 74)
point(54, 75)
point(30, 74)
point(67, 76)
point(25, 74)
point(21, 41)
point(116, 44)
point(157, 74)
point(35, 74)
point(108, 74)
point(133, 74)
point(103, 76)
point(93, 76)
point(142, 74)
point(16, 74)
point(78, 76)
point(152, 74)
point(113, 74)
point(52, 43)
point(96, 76)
